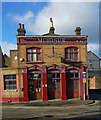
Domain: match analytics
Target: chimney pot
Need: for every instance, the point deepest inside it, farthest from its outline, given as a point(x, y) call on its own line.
point(19, 25)
point(23, 26)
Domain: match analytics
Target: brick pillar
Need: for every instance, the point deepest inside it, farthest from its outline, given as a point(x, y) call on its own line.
point(44, 84)
point(25, 84)
point(63, 85)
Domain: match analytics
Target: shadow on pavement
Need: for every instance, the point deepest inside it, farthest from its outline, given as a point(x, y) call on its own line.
point(94, 94)
point(50, 117)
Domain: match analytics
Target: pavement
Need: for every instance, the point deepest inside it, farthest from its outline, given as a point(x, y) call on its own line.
point(55, 102)
point(74, 109)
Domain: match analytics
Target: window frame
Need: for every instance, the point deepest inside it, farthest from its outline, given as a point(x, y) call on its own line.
point(36, 53)
point(35, 73)
point(10, 80)
point(55, 75)
point(68, 53)
point(74, 72)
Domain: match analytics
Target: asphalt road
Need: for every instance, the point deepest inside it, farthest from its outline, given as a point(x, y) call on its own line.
point(55, 110)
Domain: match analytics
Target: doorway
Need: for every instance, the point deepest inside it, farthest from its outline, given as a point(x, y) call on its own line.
point(53, 85)
point(72, 84)
point(34, 85)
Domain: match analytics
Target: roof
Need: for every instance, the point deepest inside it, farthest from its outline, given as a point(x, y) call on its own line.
point(55, 35)
point(94, 54)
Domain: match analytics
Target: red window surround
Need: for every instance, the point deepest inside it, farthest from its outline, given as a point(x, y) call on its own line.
point(71, 54)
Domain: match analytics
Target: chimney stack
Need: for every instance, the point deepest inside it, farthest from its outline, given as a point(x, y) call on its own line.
point(78, 31)
point(21, 31)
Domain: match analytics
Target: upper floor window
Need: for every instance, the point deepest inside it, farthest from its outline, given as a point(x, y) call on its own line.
point(71, 53)
point(10, 82)
point(33, 54)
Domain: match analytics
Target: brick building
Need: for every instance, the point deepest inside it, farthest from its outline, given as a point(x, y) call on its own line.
point(46, 67)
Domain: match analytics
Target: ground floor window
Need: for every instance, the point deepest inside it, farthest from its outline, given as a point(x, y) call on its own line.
point(10, 82)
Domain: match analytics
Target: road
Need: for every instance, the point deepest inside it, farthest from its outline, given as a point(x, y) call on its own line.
point(51, 112)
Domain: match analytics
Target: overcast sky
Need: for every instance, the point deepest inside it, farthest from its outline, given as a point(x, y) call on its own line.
point(36, 17)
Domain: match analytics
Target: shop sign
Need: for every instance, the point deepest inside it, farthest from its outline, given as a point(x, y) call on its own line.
point(51, 40)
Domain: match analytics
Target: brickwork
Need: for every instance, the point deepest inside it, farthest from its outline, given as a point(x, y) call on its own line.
point(19, 82)
point(92, 83)
point(52, 58)
point(13, 58)
point(48, 58)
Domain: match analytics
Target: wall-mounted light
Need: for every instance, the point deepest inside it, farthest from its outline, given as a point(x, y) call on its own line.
point(21, 59)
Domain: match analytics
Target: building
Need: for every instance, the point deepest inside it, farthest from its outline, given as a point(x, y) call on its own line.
point(93, 61)
point(46, 67)
point(1, 58)
point(6, 60)
point(94, 70)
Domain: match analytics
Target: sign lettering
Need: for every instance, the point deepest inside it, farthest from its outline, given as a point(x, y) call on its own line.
point(51, 40)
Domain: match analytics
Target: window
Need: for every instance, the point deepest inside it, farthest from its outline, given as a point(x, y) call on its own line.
point(33, 75)
point(10, 82)
point(72, 75)
point(33, 54)
point(71, 54)
point(53, 75)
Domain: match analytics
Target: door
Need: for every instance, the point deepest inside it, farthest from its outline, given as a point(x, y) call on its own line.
point(53, 89)
point(72, 88)
point(34, 86)
point(35, 90)
point(72, 84)
point(38, 89)
point(54, 85)
point(31, 90)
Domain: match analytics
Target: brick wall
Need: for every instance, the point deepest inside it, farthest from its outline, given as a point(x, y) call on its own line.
point(13, 58)
point(48, 57)
point(19, 82)
point(92, 83)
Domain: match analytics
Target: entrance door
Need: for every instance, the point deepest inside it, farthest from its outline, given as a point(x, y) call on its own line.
point(51, 89)
point(34, 86)
point(72, 84)
point(54, 85)
point(72, 89)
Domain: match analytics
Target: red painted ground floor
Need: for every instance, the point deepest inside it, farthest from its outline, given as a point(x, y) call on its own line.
point(46, 83)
